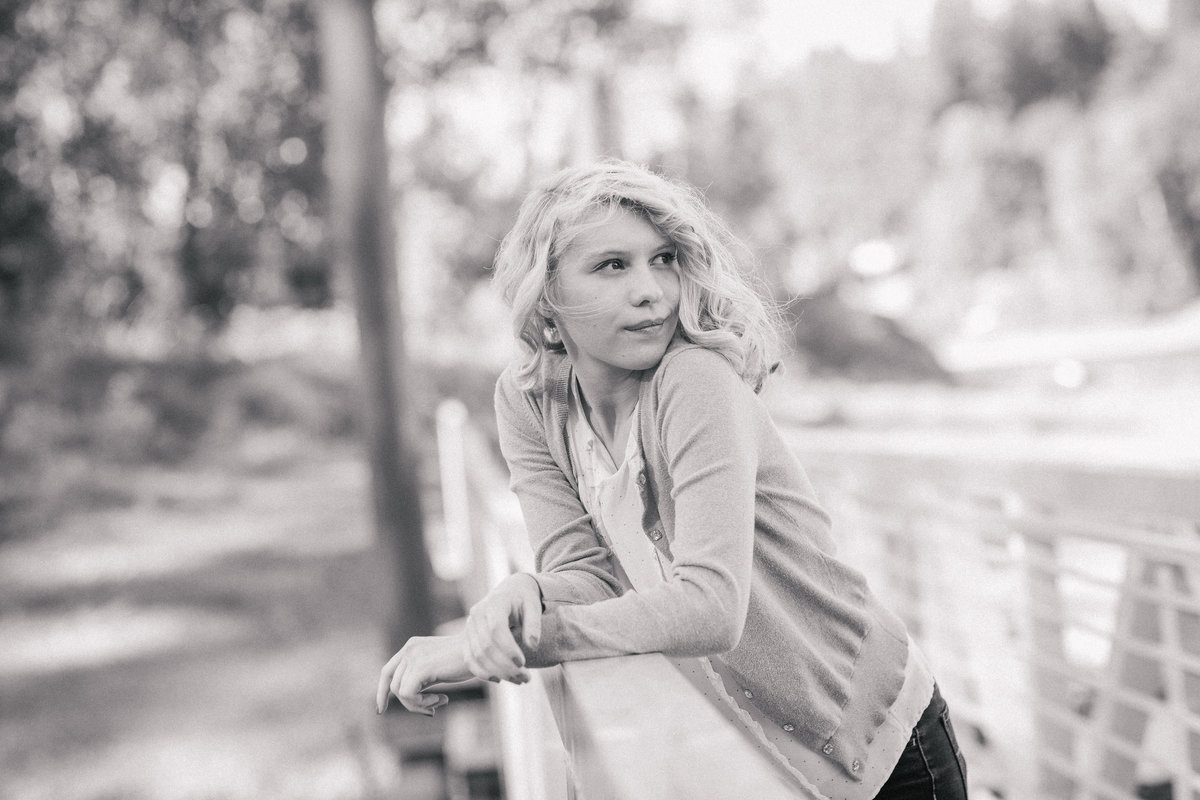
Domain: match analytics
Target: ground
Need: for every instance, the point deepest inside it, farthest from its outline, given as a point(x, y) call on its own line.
point(216, 636)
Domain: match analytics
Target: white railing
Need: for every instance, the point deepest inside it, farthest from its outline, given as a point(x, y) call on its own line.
point(1059, 603)
point(480, 542)
point(614, 729)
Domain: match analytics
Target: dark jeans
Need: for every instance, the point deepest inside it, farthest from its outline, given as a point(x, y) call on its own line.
point(932, 766)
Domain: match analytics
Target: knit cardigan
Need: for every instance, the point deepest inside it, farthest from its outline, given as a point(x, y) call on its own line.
point(753, 577)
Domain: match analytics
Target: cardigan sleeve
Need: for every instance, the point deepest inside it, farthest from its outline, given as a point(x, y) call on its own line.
point(706, 424)
point(573, 564)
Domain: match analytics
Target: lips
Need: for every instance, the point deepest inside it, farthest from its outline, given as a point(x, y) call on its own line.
point(648, 324)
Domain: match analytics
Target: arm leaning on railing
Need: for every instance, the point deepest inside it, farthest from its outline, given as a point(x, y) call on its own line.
point(631, 727)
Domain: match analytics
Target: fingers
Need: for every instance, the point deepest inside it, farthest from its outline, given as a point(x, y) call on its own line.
point(432, 702)
point(383, 692)
point(428, 661)
point(409, 673)
point(491, 652)
point(409, 687)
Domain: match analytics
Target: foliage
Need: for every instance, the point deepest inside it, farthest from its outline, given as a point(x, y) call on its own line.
point(1046, 203)
point(176, 149)
point(29, 252)
point(1029, 170)
point(160, 162)
point(1036, 51)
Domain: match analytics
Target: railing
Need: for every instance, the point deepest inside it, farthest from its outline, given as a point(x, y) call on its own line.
point(480, 542)
point(614, 729)
point(1057, 602)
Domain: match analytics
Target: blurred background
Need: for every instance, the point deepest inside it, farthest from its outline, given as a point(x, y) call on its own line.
point(245, 251)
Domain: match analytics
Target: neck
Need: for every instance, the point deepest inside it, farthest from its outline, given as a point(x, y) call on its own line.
point(609, 403)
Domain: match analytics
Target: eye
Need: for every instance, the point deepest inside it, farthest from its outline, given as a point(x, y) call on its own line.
point(666, 257)
point(612, 263)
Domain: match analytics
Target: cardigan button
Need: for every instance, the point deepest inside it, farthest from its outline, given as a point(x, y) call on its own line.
point(827, 749)
point(789, 727)
point(855, 765)
point(656, 534)
point(641, 479)
point(749, 694)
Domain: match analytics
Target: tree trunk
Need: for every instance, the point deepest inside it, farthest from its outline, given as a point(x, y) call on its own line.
point(365, 245)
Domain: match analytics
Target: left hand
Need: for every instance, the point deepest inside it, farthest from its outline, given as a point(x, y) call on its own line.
point(497, 626)
point(423, 662)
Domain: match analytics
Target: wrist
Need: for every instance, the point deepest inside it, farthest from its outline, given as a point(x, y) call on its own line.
point(526, 582)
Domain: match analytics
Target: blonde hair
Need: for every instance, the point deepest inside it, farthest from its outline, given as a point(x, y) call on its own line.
point(718, 308)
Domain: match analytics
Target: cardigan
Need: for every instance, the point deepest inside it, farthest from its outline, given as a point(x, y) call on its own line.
point(610, 494)
point(753, 576)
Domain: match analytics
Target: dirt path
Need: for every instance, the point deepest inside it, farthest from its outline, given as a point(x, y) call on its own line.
point(217, 638)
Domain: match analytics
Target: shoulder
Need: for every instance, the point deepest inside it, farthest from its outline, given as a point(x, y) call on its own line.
point(693, 366)
point(514, 402)
point(518, 397)
point(695, 383)
point(698, 404)
point(508, 385)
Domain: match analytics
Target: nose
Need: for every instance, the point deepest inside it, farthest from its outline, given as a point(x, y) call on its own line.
point(645, 288)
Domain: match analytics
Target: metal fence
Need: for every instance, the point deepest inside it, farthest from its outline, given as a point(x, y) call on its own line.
point(1057, 601)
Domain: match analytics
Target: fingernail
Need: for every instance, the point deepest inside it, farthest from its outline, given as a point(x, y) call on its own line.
point(518, 662)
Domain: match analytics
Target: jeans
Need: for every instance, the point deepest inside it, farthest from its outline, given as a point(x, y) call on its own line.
point(932, 766)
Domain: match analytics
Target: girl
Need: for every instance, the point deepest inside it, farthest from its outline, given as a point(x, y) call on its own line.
point(665, 511)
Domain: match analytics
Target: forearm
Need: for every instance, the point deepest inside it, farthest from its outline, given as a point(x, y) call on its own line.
point(681, 618)
point(709, 444)
point(576, 586)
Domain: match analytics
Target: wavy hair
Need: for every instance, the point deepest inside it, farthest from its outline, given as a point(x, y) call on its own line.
point(718, 307)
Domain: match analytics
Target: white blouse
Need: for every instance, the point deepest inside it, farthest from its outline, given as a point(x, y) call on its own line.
point(610, 494)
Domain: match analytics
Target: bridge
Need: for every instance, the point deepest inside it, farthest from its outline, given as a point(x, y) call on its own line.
point(1056, 597)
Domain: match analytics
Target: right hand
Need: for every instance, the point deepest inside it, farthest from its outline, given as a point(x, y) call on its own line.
point(491, 649)
point(414, 673)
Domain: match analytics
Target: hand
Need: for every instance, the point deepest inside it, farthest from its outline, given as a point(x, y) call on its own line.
point(423, 662)
point(492, 651)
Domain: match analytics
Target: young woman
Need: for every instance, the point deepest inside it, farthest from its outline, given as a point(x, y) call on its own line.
point(665, 511)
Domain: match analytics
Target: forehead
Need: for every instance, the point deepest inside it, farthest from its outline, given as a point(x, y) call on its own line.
point(614, 229)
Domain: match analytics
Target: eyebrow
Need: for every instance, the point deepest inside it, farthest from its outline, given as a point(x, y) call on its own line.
point(664, 244)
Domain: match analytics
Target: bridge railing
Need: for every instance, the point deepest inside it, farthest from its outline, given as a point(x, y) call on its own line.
point(607, 729)
point(1057, 601)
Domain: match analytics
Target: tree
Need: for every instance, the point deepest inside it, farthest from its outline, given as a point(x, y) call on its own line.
point(29, 253)
point(442, 56)
point(174, 146)
point(357, 163)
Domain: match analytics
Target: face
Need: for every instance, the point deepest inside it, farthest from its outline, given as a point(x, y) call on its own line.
point(619, 285)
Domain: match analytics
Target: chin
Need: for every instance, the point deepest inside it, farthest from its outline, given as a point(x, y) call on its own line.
point(649, 360)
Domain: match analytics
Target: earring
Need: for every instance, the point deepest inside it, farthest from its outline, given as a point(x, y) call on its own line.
point(550, 333)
